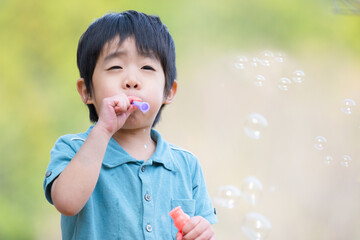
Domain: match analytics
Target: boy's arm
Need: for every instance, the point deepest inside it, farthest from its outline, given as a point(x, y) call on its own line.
point(73, 187)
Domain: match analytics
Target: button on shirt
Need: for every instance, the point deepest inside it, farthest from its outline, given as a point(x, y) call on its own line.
point(133, 198)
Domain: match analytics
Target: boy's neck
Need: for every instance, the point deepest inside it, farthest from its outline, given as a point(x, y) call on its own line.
point(136, 142)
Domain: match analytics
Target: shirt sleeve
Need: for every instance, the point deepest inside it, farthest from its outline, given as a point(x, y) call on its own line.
point(61, 154)
point(203, 203)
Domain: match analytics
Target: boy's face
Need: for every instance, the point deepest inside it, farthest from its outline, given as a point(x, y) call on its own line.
point(121, 69)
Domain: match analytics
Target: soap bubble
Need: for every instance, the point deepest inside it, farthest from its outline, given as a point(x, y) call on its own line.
point(347, 106)
point(259, 80)
point(345, 161)
point(329, 160)
point(238, 65)
point(298, 76)
point(284, 84)
point(255, 226)
point(280, 57)
point(266, 58)
point(255, 125)
point(227, 196)
point(267, 54)
point(320, 142)
point(255, 62)
point(251, 190)
point(241, 62)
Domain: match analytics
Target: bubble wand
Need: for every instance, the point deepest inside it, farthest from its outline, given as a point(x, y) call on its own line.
point(143, 106)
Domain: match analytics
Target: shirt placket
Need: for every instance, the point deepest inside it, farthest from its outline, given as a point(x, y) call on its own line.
point(147, 201)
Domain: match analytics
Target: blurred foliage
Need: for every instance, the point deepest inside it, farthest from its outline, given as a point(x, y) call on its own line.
point(38, 98)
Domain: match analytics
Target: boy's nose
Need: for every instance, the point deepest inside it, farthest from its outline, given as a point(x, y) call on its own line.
point(130, 84)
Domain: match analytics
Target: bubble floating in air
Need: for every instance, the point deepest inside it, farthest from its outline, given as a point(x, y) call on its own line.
point(227, 196)
point(320, 142)
point(255, 125)
point(259, 80)
point(264, 66)
point(267, 57)
point(255, 62)
point(298, 76)
point(345, 161)
point(280, 57)
point(329, 160)
point(251, 190)
point(255, 226)
point(284, 84)
point(241, 62)
point(348, 106)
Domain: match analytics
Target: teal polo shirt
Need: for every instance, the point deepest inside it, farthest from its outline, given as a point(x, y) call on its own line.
point(132, 198)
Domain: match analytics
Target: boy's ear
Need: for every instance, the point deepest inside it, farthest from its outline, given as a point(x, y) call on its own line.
point(170, 97)
point(81, 88)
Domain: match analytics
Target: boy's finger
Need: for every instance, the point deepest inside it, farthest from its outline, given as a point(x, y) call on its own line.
point(197, 227)
point(130, 110)
point(191, 224)
point(179, 236)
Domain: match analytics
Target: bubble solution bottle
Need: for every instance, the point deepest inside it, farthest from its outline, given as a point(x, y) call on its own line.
point(180, 218)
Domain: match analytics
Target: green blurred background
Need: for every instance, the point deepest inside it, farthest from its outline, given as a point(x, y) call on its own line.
point(39, 103)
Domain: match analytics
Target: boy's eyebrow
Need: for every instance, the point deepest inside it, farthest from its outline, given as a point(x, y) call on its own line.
point(117, 54)
point(113, 55)
point(149, 55)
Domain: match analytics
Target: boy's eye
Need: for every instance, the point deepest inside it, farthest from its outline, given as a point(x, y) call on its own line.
point(115, 67)
point(147, 67)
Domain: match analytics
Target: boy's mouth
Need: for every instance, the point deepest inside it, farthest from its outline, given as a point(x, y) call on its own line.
point(134, 98)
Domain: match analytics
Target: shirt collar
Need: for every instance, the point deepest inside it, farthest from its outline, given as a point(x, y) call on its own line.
point(162, 154)
point(115, 155)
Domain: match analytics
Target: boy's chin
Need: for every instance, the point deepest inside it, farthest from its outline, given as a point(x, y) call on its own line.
point(135, 122)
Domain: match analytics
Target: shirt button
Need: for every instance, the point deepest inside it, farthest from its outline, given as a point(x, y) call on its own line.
point(148, 228)
point(48, 173)
point(143, 168)
point(147, 197)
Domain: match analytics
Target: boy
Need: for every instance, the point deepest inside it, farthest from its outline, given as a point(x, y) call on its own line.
point(120, 179)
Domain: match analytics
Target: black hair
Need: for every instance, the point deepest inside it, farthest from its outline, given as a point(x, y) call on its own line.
point(150, 34)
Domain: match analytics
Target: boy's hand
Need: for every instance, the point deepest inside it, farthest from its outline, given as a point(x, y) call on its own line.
point(114, 112)
point(197, 228)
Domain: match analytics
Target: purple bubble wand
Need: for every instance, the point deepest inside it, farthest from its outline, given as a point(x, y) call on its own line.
point(143, 106)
